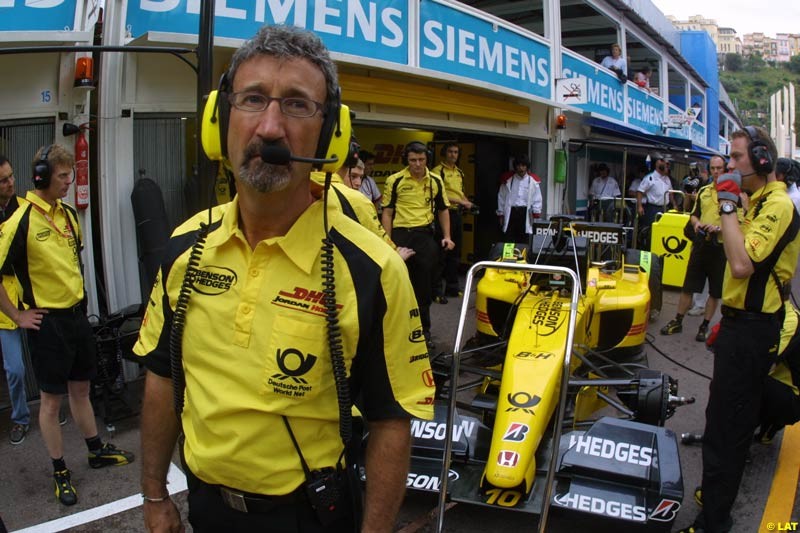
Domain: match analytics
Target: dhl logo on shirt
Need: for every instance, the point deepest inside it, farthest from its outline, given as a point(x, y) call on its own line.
point(305, 300)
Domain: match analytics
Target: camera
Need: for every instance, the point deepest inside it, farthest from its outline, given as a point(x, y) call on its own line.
point(327, 494)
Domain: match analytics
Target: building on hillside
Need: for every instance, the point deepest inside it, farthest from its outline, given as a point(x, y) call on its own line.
point(758, 43)
point(698, 23)
point(794, 44)
point(782, 49)
point(728, 42)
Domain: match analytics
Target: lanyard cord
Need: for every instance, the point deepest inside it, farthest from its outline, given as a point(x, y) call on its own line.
point(52, 223)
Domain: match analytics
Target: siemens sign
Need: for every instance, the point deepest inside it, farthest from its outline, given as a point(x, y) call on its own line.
point(605, 92)
point(37, 15)
point(358, 27)
point(462, 44)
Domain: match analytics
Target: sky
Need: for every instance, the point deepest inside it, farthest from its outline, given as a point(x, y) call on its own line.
point(745, 16)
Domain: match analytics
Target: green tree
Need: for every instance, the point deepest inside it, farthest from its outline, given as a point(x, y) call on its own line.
point(755, 63)
point(794, 64)
point(733, 62)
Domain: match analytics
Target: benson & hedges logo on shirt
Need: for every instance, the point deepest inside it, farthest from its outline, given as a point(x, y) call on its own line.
point(214, 280)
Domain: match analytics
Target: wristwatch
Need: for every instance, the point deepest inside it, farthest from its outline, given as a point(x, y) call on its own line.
point(727, 208)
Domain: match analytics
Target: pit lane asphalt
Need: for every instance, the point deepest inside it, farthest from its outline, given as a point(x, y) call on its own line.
point(109, 498)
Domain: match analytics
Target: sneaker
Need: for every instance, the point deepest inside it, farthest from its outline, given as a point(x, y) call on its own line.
point(65, 492)
point(697, 310)
point(429, 341)
point(654, 314)
point(766, 434)
point(672, 327)
point(702, 334)
point(62, 416)
point(691, 529)
point(18, 432)
point(698, 496)
point(441, 299)
point(109, 455)
point(456, 293)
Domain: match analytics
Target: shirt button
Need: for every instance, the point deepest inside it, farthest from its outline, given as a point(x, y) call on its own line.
point(246, 309)
point(254, 272)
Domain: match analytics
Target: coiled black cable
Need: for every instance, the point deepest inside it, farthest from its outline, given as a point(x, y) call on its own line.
point(333, 330)
point(179, 319)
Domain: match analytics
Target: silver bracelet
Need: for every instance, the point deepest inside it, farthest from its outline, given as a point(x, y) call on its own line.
point(155, 500)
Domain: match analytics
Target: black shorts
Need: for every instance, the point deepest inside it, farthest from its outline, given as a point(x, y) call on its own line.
point(707, 261)
point(62, 350)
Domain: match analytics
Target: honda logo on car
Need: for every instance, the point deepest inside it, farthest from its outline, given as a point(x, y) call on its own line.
point(423, 429)
point(591, 504)
point(609, 449)
point(507, 458)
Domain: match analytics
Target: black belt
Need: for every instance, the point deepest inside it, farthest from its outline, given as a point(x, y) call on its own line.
point(256, 503)
point(518, 207)
point(730, 312)
point(418, 229)
point(75, 309)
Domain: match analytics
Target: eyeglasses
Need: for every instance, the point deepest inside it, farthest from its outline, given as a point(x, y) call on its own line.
point(290, 106)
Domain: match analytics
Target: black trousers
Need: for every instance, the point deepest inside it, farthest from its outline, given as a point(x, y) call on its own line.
point(421, 266)
point(517, 224)
point(743, 353)
point(449, 260)
point(209, 514)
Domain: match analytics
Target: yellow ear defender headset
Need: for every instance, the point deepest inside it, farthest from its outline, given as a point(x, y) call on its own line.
point(334, 137)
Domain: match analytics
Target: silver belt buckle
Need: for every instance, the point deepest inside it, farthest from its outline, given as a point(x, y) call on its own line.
point(234, 500)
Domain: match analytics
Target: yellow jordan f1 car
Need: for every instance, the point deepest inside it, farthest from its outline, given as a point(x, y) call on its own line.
point(551, 403)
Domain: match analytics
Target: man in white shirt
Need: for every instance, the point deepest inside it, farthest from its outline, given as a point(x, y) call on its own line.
point(653, 188)
point(602, 192)
point(519, 201)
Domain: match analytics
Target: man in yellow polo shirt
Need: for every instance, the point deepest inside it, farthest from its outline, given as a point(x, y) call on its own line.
point(412, 198)
point(41, 243)
point(453, 178)
point(707, 260)
point(762, 255)
point(354, 204)
point(269, 315)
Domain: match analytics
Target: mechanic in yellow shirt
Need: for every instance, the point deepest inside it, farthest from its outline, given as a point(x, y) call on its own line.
point(453, 178)
point(707, 259)
point(762, 255)
point(274, 333)
point(412, 198)
point(354, 204)
point(41, 244)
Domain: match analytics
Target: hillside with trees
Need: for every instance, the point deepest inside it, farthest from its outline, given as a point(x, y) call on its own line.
point(751, 81)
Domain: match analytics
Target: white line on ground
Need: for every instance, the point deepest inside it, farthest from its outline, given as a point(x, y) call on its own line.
point(176, 482)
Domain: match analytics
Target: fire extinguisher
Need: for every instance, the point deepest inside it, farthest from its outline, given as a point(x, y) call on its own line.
point(81, 171)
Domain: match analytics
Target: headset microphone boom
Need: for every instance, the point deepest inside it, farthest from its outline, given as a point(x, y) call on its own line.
point(280, 155)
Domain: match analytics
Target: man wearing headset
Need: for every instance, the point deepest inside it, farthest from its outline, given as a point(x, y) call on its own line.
point(263, 417)
point(41, 242)
point(762, 254)
point(411, 199)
